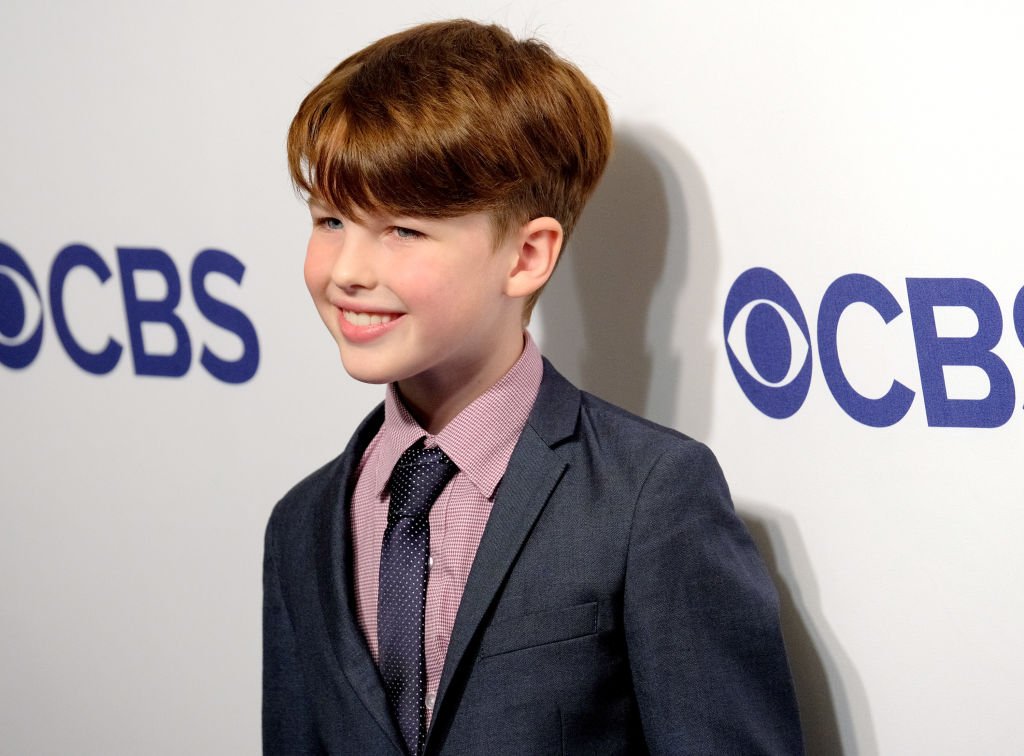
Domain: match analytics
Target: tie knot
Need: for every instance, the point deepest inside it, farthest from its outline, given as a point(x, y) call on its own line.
point(418, 478)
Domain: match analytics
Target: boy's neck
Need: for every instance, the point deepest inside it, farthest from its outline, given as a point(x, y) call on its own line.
point(434, 401)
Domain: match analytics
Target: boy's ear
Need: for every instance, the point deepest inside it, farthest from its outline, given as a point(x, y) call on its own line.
point(538, 244)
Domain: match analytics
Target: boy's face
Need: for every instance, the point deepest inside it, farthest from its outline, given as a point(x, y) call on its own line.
point(419, 301)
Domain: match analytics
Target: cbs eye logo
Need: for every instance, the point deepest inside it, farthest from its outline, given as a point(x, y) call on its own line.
point(768, 342)
point(21, 311)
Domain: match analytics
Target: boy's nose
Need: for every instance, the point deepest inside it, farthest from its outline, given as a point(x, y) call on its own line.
point(353, 267)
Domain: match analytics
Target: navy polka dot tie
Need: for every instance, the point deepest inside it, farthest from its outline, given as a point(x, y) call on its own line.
point(418, 478)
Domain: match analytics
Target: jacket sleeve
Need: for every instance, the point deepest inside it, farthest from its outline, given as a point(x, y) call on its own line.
point(287, 716)
point(701, 619)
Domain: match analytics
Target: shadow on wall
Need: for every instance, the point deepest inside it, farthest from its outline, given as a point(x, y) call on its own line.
point(833, 702)
point(643, 261)
point(609, 313)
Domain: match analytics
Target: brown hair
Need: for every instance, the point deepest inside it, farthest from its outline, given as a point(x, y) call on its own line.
point(451, 118)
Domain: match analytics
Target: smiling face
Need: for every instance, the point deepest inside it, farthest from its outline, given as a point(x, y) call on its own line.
point(425, 303)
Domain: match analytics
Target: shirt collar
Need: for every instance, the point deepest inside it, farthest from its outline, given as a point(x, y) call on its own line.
point(481, 438)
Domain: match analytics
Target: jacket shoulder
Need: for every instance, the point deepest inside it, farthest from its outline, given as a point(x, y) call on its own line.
point(622, 431)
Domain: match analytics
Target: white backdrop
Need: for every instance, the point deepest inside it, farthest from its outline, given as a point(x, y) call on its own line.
point(812, 139)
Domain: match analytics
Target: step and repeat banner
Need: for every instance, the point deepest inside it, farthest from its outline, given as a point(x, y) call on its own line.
point(806, 252)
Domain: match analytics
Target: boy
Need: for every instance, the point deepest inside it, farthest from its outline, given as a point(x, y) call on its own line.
point(498, 562)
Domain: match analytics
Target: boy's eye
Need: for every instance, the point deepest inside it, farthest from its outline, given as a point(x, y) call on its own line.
point(406, 233)
point(334, 224)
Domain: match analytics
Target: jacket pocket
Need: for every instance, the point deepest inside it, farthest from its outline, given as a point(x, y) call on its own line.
point(540, 629)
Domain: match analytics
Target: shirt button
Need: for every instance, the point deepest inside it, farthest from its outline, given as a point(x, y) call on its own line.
point(431, 698)
point(430, 560)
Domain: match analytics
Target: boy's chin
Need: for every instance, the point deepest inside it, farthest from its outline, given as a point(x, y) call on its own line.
point(375, 380)
point(364, 373)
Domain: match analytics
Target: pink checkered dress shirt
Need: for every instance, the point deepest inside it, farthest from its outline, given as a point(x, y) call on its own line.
point(480, 440)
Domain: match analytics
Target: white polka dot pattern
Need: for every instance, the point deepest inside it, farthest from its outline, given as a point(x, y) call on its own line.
point(418, 477)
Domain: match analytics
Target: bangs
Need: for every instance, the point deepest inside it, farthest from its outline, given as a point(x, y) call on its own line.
point(393, 156)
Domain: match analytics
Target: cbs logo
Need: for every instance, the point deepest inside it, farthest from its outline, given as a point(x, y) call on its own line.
point(768, 343)
point(22, 312)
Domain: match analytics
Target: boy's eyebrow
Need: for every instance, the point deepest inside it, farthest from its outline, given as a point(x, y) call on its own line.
point(315, 203)
point(323, 206)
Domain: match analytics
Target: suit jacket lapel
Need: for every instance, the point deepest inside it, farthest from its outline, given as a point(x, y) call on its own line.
point(334, 577)
point(531, 477)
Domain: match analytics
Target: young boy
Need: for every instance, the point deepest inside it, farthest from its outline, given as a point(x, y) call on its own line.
point(497, 563)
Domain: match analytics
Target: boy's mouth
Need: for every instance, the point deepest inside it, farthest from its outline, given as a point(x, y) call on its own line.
point(360, 327)
point(367, 318)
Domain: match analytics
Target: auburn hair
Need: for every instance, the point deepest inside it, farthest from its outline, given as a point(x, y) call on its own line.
point(450, 118)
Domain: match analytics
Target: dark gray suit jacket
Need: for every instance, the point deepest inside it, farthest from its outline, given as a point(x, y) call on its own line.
point(616, 606)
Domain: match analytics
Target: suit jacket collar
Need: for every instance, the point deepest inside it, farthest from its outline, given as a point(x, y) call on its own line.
point(532, 475)
point(557, 409)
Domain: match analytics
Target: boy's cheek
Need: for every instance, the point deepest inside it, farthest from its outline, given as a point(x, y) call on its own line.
point(317, 271)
